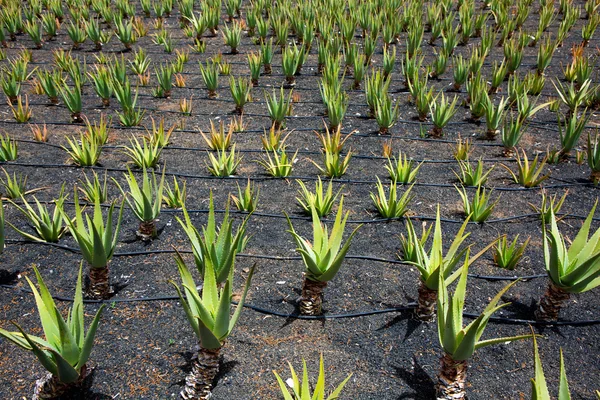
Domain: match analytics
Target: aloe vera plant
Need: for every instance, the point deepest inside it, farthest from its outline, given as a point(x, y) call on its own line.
point(66, 348)
point(460, 343)
point(48, 227)
point(539, 388)
point(2, 229)
point(97, 242)
point(575, 269)
point(209, 315)
point(145, 201)
point(301, 391)
point(322, 258)
point(217, 247)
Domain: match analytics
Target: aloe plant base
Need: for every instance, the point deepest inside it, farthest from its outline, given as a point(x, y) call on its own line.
point(311, 301)
point(198, 384)
point(147, 231)
point(451, 379)
point(426, 302)
point(50, 387)
point(99, 284)
point(551, 303)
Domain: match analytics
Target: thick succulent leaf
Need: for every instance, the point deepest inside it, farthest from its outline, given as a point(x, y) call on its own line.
point(240, 307)
point(76, 315)
point(204, 316)
point(88, 343)
point(539, 388)
point(583, 273)
point(208, 339)
point(47, 314)
point(582, 236)
point(336, 393)
point(283, 387)
point(563, 385)
point(221, 327)
point(65, 372)
point(320, 386)
point(490, 342)
point(210, 295)
point(337, 263)
point(69, 349)
point(46, 361)
point(305, 391)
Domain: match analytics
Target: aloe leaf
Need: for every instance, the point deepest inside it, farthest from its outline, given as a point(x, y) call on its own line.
point(88, 343)
point(238, 310)
point(563, 385)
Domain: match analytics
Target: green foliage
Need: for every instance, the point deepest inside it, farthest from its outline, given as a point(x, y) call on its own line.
point(507, 255)
point(144, 155)
point(216, 248)
point(324, 256)
point(278, 107)
point(97, 240)
point(94, 190)
point(470, 176)
point(319, 200)
point(247, 200)
point(48, 227)
point(175, 197)
point(575, 269)
point(401, 169)
point(209, 314)
point(8, 149)
point(528, 174)
point(85, 152)
point(461, 342)
point(145, 199)
point(301, 391)
point(280, 165)
point(539, 388)
point(479, 208)
point(224, 163)
point(67, 347)
point(391, 206)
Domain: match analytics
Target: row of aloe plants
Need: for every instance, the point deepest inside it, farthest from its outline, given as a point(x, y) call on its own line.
point(573, 268)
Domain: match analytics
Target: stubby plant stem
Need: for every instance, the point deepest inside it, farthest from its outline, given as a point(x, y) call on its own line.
point(268, 69)
point(490, 134)
point(311, 301)
point(451, 379)
point(99, 287)
point(426, 302)
point(595, 177)
point(437, 132)
point(212, 94)
point(198, 384)
point(50, 387)
point(551, 303)
point(147, 230)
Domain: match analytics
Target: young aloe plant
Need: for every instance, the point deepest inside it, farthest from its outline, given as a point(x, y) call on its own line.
point(322, 258)
point(210, 317)
point(48, 227)
point(571, 270)
point(391, 206)
point(319, 200)
point(432, 265)
point(539, 388)
point(144, 201)
point(593, 157)
point(528, 175)
point(66, 348)
point(301, 391)
point(217, 247)
point(479, 208)
point(458, 342)
point(97, 242)
point(246, 200)
point(401, 169)
point(507, 256)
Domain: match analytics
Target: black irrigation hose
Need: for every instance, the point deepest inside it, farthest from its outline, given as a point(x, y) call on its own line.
point(299, 177)
point(277, 258)
point(307, 152)
point(355, 314)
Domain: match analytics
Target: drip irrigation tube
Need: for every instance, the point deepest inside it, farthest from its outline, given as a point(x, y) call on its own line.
point(355, 314)
point(300, 177)
point(275, 258)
